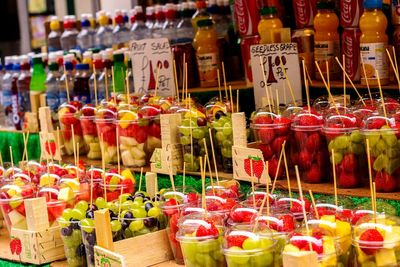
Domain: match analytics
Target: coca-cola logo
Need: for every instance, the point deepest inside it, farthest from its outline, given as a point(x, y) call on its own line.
point(348, 50)
point(241, 16)
point(301, 11)
point(347, 11)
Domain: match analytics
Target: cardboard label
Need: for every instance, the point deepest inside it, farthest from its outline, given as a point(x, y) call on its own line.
point(106, 258)
point(49, 146)
point(150, 56)
point(273, 57)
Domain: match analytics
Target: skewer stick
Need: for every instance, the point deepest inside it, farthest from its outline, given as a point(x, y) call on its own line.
point(374, 199)
point(395, 59)
point(279, 166)
point(287, 174)
point(77, 154)
point(113, 84)
point(103, 165)
point(171, 177)
point(289, 83)
point(277, 101)
point(396, 73)
point(203, 186)
point(66, 83)
point(306, 85)
point(91, 188)
point(207, 158)
point(186, 78)
point(190, 129)
point(213, 155)
point(327, 87)
point(106, 82)
point(176, 81)
point(237, 100)
point(366, 79)
point(265, 200)
point(59, 142)
point(73, 142)
point(344, 82)
point(183, 79)
point(12, 160)
point(252, 182)
point(219, 85)
point(184, 177)
point(1, 160)
point(120, 203)
point(349, 79)
point(370, 173)
point(265, 84)
point(140, 179)
point(118, 149)
point(128, 90)
point(230, 94)
point(334, 177)
point(95, 85)
point(26, 139)
point(381, 93)
point(327, 74)
point(302, 200)
point(313, 203)
point(157, 77)
point(224, 77)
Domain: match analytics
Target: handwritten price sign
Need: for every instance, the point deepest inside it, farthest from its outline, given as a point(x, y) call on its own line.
point(275, 57)
point(150, 56)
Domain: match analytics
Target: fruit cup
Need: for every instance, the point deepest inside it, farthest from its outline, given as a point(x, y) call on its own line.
point(106, 130)
point(68, 114)
point(12, 198)
point(376, 241)
point(73, 191)
point(116, 183)
point(55, 207)
point(149, 115)
point(132, 226)
point(308, 149)
point(270, 132)
point(245, 246)
point(90, 132)
point(200, 238)
point(132, 139)
point(345, 139)
point(223, 139)
point(293, 206)
point(89, 239)
point(72, 239)
point(97, 180)
point(382, 135)
point(241, 213)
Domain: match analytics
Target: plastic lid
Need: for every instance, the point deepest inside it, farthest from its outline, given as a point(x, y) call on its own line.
point(37, 59)
point(16, 67)
point(372, 4)
point(204, 23)
point(85, 23)
point(82, 66)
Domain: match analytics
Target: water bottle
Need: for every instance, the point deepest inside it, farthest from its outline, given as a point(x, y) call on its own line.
point(53, 39)
point(99, 75)
point(104, 34)
point(150, 17)
point(85, 38)
point(68, 37)
point(7, 91)
point(52, 80)
point(159, 23)
point(184, 29)
point(13, 117)
point(139, 28)
point(23, 84)
point(170, 24)
point(120, 32)
point(81, 83)
point(68, 76)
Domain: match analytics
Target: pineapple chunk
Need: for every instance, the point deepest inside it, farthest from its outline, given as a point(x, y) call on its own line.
point(137, 153)
point(291, 248)
point(127, 159)
point(15, 217)
point(127, 141)
point(385, 257)
point(66, 194)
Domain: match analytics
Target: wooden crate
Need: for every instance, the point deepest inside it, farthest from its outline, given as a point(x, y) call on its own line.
point(39, 247)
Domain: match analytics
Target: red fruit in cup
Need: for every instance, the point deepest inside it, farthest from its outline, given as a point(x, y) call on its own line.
point(314, 174)
point(266, 135)
point(304, 160)
point(377, 123)
point(385, 182)
point(371, 240)
point(283, 125)
point(273, 168)
point(235, 240)
point(309, 120)
point(277, 144)
point(288, 224)
point(347, 180)
point(262, 120)
point(313, 142)
point(266, 150)
point(349, 163)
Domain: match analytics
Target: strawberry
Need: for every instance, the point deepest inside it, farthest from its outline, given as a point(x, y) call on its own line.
point(258, 166)
point(349, 163)
point(154, 130)
point(88, 110)
point(283, 125)
point(235, 240)
point(314, 175)
point(299, 242)
point(208, 230)
point(262, 120)
point(273, 169)
point(377, 123)
point(304, 160)
point(385, 182)
point(309, 120)
point(266, 150)
point(313, 142)
point(21, 209)
point(287, 225)
point(266, 135)
point(127, 185)
point(50, 147)
point(277, 144)
point(297, 207)
point(192, 198)
point(347, 180)
point(371, 240)
point(15, 246)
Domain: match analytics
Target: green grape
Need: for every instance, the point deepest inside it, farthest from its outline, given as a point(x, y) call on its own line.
point(136, 225)
point(393, 165)
point(189, 250)
point(124, 197)
point(265, 259)
point(101, 203)
point(128, 233)
point(115, 226)
point(187, 157)
point(390, 139)
point(338, 157)
point(342, 142)
point(356, 136)
point(250, 244)
point(82, 205)
point(154, 212)
point(380, 162)
point(67, 214)
point(139, 213)
point(331, 145)
point(235, 255)
point(139, 200)
point(185, 140)
point(266, 243)
point(207, 246)
point(392, 152)
point(204, 259)
point(142, 231)
point(87, 225)
point(136, 205)
point(217, 124)
point(357, 149)
point(227, 131)
point(76, 237)
point(63, 222)
point(68, 242)
point(198, 133)
point(112, 206)
point(373, 138)
point(220, 136)
point(126, 205)
point(227, 143)
point(78, 214)
point(226, 152)
point(381, 145)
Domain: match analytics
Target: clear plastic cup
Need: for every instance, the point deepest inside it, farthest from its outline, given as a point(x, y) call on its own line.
point(89, 241)
point(293, 206)
point(344, 137)
point(80, 190)
point(149, 115)
point(245, 246)
point(55, 207)
point(309, 150)
point(114, 184)
point(89, 131)
point(106, 130)
point(73, 246)
point(223, 140)
point(383, 135)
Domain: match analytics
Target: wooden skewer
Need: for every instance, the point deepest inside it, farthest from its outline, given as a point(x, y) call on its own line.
point(237, 100)
point(230, 94)
point(207, 158)
point(265, 84)
point(313, 203)
point(103, 165)
point(252, 182)
point(186, 79)
point(184, 177)
point(183, 79)
point(128, 89)
point(366, 79)
point(349, 79)
point(265, 200)
point(12, 160)
point(328, 74)
point(302, 202)
point(278, 167)
point(120, 203)
point(91, 188)
point(95, 85)
point(73, 143)
point(396, 74)
point(213, 155)
point(395, 60)
point(157, 77)
point(381, 93)
point(176, 81)
point(77, 154)
point(277, 101)
point(66, 84)
point(1, 160)
point(106, 82)
point(289, 83)
point(344, 82)
point(224, 77)
point(59, 142)
point(306, 86)
point(370, 173)
point(113, 84)
point(171, 177)
point(190, 129)
point(118, 149)
point(374, 200)
point(327, 88)
point(287, 174)
point(334, 177)
point(219, 85)
point(203, 186)
point(140, 179)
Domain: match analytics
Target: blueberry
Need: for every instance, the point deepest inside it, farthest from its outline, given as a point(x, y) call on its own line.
point(150, 222)
point(66, 231)
point(90, 214)
point(75, 224)
point(130, 198)
point(128, 215)
point(91, 239)
point(219, 114)
point(125, 224)
point(112, 215)
point(148, 206)
point(93, 208)
point(80, 250)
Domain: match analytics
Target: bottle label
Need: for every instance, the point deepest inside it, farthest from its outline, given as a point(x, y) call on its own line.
point(63, 97)
point(208, 65)
point(327, 51)
point(374, 57)
point(52, 100)
point(15, 112)
point(7, 93)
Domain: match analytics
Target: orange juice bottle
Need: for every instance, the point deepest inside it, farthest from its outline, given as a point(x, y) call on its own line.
point(207, 53)
point(269, 26)
point(373, 42)
point(326, 39)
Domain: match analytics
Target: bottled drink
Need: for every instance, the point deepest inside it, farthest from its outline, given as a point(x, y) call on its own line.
point(326, 38)
point(99, 75)
point(373, 41)
point(158, 25)
point(68, 37)
point(52, 82)
point(120, 32)
point(139, 29)
point(150, 17)
point(14, 115)
point(119, 71)
point(7, 91)
point(104, 34)
point(200, 14)
point(23, 85)
point(37, 84)
point(87, 59)
point(68, 76)
point(269, 22)
point(170, 24)
point(53, 39)
point(85, 38)
point(184, 29)
point(81, 83)
point(207, 53)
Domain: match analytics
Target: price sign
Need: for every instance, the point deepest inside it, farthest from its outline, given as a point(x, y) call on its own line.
point(150, 56)
point(274, 58)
